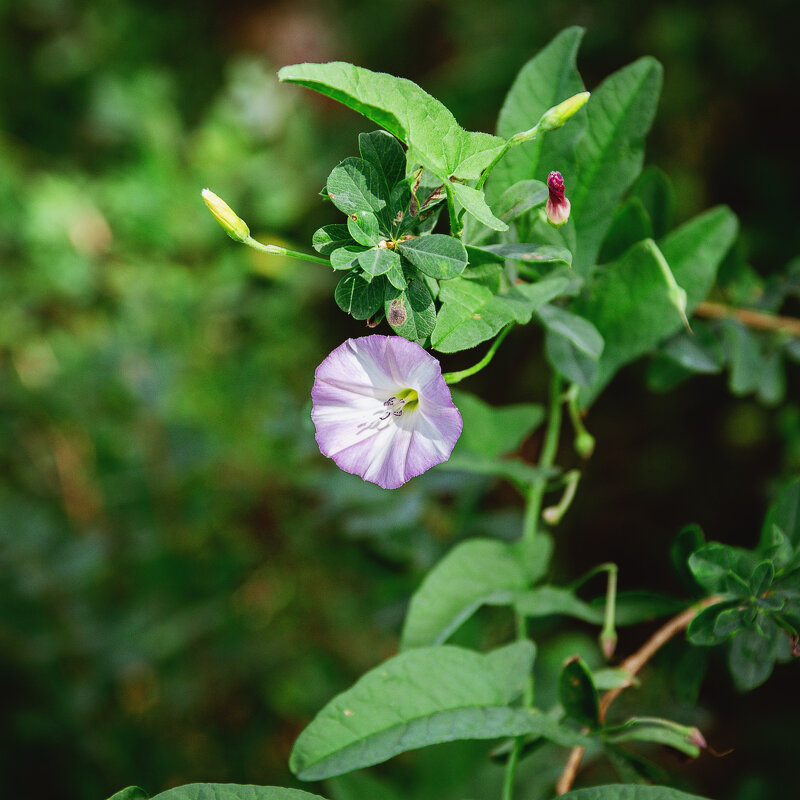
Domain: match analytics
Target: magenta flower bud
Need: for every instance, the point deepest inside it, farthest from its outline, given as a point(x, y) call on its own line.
point(557, 207)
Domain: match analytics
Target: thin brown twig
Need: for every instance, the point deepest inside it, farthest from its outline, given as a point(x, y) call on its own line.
point(632, 665)
point(751, 318)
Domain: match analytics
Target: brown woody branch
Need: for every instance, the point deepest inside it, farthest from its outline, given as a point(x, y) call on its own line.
point(632, 665)
point(753, 319)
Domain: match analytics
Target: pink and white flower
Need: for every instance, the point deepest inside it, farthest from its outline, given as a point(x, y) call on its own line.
point(383, 411)
point(557, 207)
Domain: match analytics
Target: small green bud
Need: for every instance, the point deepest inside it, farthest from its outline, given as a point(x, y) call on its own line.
point(608, 643)
point(584, 444)
point(231, 223)
point(556, 116)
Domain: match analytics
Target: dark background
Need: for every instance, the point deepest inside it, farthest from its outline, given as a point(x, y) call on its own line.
point(184, 580)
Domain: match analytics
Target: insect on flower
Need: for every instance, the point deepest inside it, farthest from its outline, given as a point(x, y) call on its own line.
point(383, 411)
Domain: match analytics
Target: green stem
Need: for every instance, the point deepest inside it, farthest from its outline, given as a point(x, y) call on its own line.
point(536, 494)
point(274, 250)
point(455, 226)
point(455, 377)
point(532, 512)
point(491, 166)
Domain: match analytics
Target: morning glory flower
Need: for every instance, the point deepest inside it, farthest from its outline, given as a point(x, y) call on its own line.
point(383, 411)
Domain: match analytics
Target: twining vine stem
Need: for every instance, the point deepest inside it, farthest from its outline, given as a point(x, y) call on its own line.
point(530, 528)
point(632, 665)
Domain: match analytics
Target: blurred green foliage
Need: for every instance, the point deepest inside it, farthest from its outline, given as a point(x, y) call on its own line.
point(184, 580)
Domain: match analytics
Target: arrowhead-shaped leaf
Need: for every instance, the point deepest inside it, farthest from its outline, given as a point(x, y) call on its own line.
point(426, 126)
point(473, 573)
point(421, 697)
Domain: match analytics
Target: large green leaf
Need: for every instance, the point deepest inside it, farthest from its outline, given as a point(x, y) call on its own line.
point(626, 792)
point(629, 303)
point(473, 573)
point(418, 698)
point(471, 312)
point(433, 136)
point(492, 431)
point(219, 791)
point(548, 78)
point(578, 694)
point(610, 153)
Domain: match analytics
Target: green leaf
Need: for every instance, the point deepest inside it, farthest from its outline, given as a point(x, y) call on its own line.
point(379, 260)
point(712, 563)
point(232, 791)
point(520, 474)
point(655, 191)
point(577, 330)
point(528, 253)
point(613, 678)
point(626, 792)
point(548, 78)
point(775, 545)
point(357, 297)
point(699, 351)
point(728, 622)
point(386, 154)
point(420, 697)
point(761, 579)
point(610, 153)
point(354, 185)
point(752, 655)
point(329, 237)
point(474, 203)
point(645, 730)
point(471, 313)
point(578, 694)
point(568, 360)
point(433, 136)
point(131, 793)
point(628, 302)
point(689, 539)
point(346, 257)
point(473, 573)
point(410, 311)
point(701, 629)
point(549, 600)
point(442, 257)
point(492, 431)
point(629, 225)
point(785, 514)
point(363, 227)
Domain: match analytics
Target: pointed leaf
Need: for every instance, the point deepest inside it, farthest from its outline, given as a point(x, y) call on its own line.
point(474, 203)
point(473, 573)
point(578, 694)
point(528, 253)
point(441, 257)
point(431, 132)
point(131, 793)
point(492, 431)
point(579, 331)
point(610, 153)
point(472, 313)
point(548, 78)
point(422, 696)
point(636, 730)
